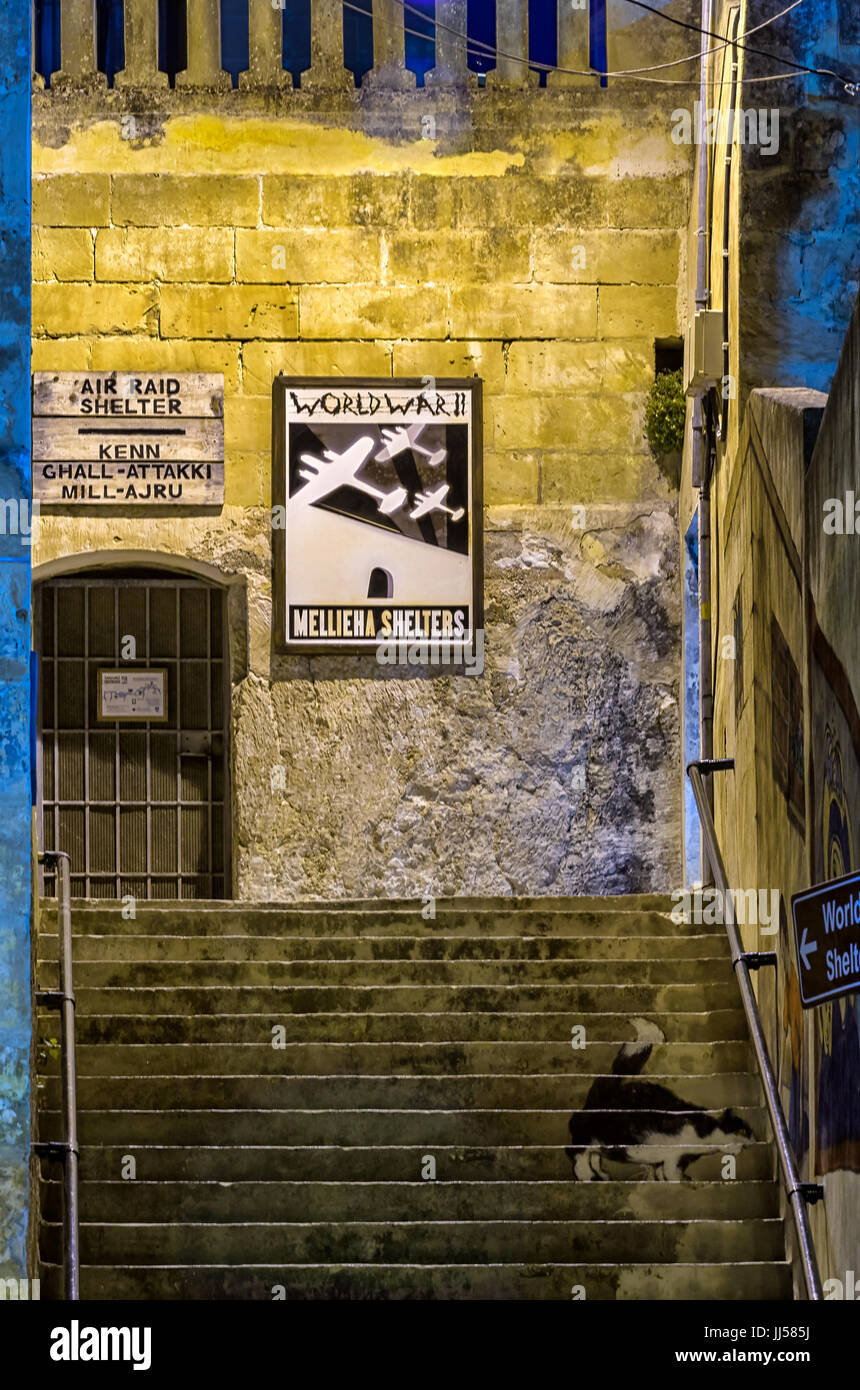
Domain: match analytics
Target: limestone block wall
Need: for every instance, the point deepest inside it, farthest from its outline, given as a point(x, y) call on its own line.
point(775, 550)
point(791, 278)
point(797, 215)
point(794, 260)
point(833, 788)
point(532, 236)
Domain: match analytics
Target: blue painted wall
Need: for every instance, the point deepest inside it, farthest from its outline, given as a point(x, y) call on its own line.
point(800, 230)
point(15, 798)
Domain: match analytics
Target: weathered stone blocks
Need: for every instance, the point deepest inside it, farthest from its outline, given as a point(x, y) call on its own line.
point(192, 200)
point(510, 250)
point(173, 254)
point(71, 200)
point(548, 774)
point(330, 255)
point(228, 311)
point(64, 309)
point(62, 253)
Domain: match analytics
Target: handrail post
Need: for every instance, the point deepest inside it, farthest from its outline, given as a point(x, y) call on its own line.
point(70, 1108)
point(68, 1147)
point(794, 1188)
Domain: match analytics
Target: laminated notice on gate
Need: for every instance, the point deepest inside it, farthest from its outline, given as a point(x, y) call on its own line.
point(133, 694)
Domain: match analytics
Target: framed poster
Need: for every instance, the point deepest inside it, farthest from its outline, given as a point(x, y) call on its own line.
point(377, 521)
point(133, 694)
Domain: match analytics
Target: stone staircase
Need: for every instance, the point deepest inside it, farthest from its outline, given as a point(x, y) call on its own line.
point(346, 1101)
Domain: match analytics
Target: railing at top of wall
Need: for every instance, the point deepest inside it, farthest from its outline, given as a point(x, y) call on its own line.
point(306, 43)
point(66, 1148)
point(797, 1192)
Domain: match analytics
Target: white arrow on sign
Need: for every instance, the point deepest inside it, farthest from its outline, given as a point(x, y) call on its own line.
point(806, 948)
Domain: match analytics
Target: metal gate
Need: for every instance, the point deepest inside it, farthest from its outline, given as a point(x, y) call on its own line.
point(141, 807)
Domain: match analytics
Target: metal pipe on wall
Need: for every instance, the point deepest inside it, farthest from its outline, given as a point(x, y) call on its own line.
point(700, 460)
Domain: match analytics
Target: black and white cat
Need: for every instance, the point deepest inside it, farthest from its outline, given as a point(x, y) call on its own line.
point(650, 1125)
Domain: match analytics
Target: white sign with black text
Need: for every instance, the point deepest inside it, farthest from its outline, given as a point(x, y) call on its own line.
point(128, 439)
point(133, 694)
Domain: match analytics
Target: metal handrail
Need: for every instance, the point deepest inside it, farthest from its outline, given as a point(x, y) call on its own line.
point(798, 1192)
point(65, 1149)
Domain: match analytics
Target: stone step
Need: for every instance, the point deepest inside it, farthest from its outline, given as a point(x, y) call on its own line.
point(630, 903)
point(484, 1092)
point(755, 1281)
point(384, 1058)
point(721, 1025)
point(236, 919)
point(387, 974)
point(420, 1242)
point(214, 1201)
point(225, 1162)
point(489, 1127)
point(426, 947)
point(218, 999)
point(410, 1037)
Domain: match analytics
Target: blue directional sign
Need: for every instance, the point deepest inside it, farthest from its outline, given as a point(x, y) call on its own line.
point(827, 935)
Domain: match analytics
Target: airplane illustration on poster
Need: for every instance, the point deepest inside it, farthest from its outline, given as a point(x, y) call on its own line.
point(404, 437)
point(426, 502)
point(325, 475)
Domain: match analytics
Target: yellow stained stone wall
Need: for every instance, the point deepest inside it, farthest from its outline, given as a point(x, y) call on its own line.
point(536, 242)
point(251, 246)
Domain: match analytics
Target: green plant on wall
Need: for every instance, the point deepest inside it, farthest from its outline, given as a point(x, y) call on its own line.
point(665, 411)
point(48, 1051)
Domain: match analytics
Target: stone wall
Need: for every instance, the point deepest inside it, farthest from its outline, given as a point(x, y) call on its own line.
point(790, 279)
point(799, 230)
point(774, 552)
point(793, 267)
point(832, 567)
point(535, 239)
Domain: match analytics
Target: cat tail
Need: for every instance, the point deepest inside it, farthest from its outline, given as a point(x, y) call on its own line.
point(632, 1056)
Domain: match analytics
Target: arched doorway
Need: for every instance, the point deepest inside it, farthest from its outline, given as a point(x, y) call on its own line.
point(135, 789)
